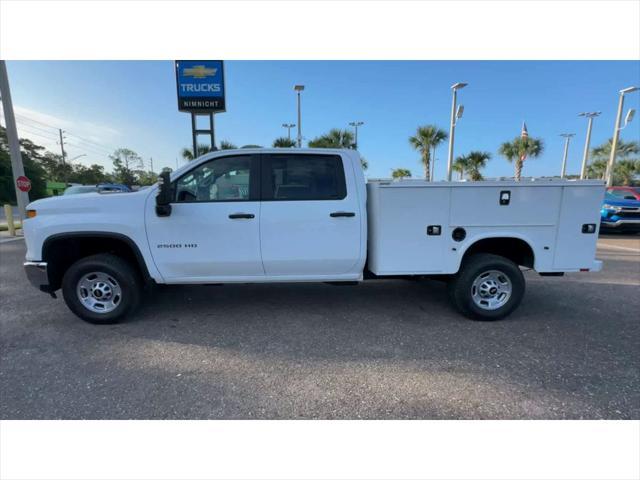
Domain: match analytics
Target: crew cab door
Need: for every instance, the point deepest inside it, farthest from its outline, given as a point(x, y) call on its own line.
point(310, 219)
point(212, 233)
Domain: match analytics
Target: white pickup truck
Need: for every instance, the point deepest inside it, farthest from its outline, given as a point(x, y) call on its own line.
point(308, 215)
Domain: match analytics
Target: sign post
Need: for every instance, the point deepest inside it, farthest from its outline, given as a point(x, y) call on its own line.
point(201, 91)
point(14, 143)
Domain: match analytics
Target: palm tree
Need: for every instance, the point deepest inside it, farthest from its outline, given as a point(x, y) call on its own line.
point(472, 164)
point(283, 142)
point(625, 171)
point(597, 169)
point(623, 149)
point(519, 149)
point(187, 153)
point(426, 138)
point(335, 138)
point(460, 165)
point(227, 145)
point(400, 173)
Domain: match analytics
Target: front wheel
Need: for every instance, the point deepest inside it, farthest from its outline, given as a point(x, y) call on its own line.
point(101, 289)
point(487, 287)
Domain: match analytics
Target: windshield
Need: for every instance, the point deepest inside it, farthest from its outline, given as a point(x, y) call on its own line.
point(80, 189)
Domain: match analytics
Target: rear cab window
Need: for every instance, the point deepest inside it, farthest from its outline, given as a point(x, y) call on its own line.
point(294, 176)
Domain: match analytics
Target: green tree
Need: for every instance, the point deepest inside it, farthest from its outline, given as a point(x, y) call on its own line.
point(400, 173)
point(623, 150)
point(460, 165)
point(597, 169)
point(426, 139)
point(31, 153)
point(335, 138)
point(187, 153)
point(125, 164)
point(625, 171)
point(146, 177)
point(251, 146)
point(519, 148)
point(91, 175)
point(472, 164)
point(227, 145)
point(283, 142)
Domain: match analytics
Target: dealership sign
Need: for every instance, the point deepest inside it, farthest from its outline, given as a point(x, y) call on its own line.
point(200, 86)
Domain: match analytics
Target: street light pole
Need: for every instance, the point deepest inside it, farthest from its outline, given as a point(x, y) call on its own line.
point(299, 88)
point(288, 126)
point(454, 115)
point(616, 135)
point(14, 142)
point(355, 125)
point(567, 137)
point(587, 142)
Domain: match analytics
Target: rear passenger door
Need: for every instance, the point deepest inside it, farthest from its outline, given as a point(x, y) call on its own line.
point(310, 218)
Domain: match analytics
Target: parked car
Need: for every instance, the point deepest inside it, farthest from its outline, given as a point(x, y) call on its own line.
point(627, 193)
point(309, 215)
point(620, 213)
point(101, 188)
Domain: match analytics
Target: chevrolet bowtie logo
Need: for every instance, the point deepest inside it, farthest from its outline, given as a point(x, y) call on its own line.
point(199, 71)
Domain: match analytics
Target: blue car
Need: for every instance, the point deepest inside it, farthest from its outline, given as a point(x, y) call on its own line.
point(620, 214)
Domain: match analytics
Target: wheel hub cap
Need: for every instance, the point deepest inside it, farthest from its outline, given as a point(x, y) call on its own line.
point(99, 292)
point(491, 290)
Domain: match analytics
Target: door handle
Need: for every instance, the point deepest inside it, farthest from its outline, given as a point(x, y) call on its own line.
point(342, 214)
point(235, 216)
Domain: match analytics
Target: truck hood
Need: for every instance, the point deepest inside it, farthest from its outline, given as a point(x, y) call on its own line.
point(621, 202)
point(90, 202)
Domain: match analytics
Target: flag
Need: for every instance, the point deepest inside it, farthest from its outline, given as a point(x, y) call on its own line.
point(524, 134)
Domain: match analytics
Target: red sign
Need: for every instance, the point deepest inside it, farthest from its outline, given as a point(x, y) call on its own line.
point(23, 183)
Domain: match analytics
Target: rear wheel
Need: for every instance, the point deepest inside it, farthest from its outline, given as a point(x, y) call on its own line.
point(101, 289)
point(487, 287)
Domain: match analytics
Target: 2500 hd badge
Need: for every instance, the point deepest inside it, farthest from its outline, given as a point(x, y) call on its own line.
point(177, 245)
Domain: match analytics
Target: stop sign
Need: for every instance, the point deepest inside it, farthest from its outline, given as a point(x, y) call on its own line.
point(23, 183)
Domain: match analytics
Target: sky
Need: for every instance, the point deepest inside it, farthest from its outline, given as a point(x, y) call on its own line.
point(103, 105)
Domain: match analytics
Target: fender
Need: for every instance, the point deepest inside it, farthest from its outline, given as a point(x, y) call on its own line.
point(471, 241)
point(106, 235)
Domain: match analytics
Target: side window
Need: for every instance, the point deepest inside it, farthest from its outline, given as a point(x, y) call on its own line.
point(223, 179)
point(303, 177)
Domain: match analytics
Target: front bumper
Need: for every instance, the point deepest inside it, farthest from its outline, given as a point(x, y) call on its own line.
point(37, 275)
point(620, 223)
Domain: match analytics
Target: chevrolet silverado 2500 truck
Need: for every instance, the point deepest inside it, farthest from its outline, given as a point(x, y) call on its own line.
point(308, 215)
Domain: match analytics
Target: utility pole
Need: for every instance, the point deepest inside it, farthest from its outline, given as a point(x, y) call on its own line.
point(567, 137)
point(616, 135)
point(14, 142)
point(298, 89)
point(455, 115)
point(355, 125)
point(587, 142)
point(288, 126)
point(64, 155)
point(151, 161)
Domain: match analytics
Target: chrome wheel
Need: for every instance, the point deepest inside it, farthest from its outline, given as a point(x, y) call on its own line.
point(491, 290)
point(99, 292)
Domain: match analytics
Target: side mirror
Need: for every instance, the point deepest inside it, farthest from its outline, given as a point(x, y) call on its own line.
point(163, 198)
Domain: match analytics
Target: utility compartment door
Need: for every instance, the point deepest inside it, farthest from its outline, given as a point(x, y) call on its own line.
point(310, 216)
point(580, 206)
point(403, 223)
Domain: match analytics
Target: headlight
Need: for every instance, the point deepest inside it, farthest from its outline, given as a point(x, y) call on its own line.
point(31, 213)
point(606, 206)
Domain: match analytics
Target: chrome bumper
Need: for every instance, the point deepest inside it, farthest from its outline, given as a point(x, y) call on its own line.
point(619, 223)
point(37, 275)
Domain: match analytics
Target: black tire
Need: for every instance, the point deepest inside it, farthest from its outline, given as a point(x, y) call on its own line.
point(460, 286)
point(115, 267)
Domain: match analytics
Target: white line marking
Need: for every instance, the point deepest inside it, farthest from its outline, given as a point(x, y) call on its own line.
point(616, 247)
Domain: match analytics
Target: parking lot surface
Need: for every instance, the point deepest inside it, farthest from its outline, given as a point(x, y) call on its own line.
point(388, 349)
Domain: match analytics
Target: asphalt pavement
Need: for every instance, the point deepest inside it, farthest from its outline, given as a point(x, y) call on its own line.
point(388, 349)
